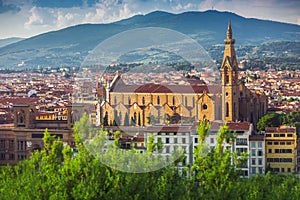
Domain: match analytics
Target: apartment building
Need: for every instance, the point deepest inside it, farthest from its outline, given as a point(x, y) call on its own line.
point(173, 137)
point(186, 137)
point(257, 154)
point(281, 151)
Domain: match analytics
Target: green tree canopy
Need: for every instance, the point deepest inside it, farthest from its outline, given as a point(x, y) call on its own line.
point(60, 172)
point(269, 120)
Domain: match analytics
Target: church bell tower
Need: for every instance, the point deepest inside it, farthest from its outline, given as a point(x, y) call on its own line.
point(229, 74)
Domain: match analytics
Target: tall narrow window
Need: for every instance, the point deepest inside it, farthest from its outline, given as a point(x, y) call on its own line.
point(105, 119)
point(227, 79)
point(234, 110)
point(129, 101)
point(173, 101)
point(143, 100)
point(186, 101)
point(158, 100)
point(227, 109)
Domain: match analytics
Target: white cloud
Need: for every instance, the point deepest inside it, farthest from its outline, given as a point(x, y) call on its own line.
point(106, 11)
point(207, 5)
point(64, 19)
point(34, 19)
point(110, 10)
point(183, 7)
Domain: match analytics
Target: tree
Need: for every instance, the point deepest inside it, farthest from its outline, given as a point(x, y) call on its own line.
point(212, 169)
point(56, 172)
point(203, 129)
point(269, 120)
point(291, 118)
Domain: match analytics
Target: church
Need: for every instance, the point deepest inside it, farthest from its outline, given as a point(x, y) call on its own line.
point(143, 105)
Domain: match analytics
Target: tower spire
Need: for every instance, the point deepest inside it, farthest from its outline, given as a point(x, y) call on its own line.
point(229, 30)
point(229, 72)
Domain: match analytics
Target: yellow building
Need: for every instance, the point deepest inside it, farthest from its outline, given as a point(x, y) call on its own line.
point(157, 103)
point(281, 152)
point(45, 116)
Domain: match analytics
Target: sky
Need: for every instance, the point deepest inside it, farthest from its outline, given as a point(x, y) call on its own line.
point(26, 18)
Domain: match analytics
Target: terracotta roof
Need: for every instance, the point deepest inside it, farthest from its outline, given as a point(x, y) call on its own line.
point(238, 125)
point(18, 100)
point(169, 128)
point(156, 88)
point(215, 125)
point(256, 137)
point(280, 129)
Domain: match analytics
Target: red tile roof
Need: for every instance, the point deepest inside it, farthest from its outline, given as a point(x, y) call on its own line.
point(215, 125)
point(18, 100)
point(280, 129)
point(156, 88)
point(169, 128)
point(238, 125)
point(256, 137)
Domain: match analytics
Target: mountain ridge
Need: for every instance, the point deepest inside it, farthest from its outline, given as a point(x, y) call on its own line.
point(70, 45)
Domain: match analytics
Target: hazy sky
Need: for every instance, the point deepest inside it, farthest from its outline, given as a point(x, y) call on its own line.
point(25, 18)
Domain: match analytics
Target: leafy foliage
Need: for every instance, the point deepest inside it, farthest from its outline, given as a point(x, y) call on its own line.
point(60, 172)
point(275, 120)
point(269, 120)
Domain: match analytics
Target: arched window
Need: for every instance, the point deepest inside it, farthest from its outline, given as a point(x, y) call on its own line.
point(227, 109)
point(158, 100)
